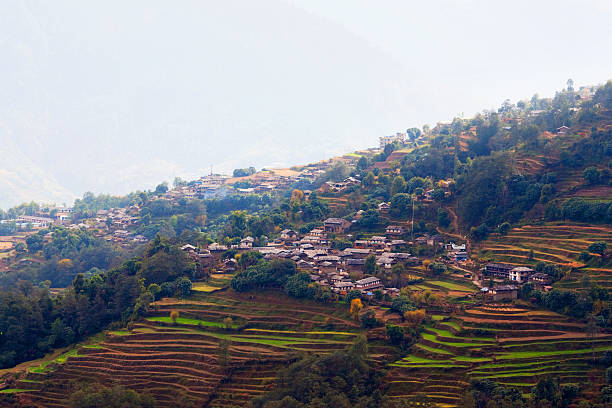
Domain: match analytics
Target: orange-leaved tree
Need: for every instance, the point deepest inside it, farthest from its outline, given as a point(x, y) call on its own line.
point(356, 307)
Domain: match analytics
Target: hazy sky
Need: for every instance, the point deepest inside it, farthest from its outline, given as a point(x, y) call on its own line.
point(113, 96)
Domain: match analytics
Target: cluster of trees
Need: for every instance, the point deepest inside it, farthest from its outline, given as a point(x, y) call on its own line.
point(171, 219)
point(301, 286)
point(577, 209)
point(68, 253)
point(264, 274)
point(342, 379)
point(90, 204)
point(244, 172)
point(32, 322)
point(547, 393)
point(592, 303)
point(95, 395)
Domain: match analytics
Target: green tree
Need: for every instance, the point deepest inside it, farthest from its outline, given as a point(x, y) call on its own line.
point(369, 180)
point(369, 267)
point(362, 163)
point(395, 334)
point(398, 185)
point(598, 247)
point(591, 175)
point(184, 286)
point(503, 228)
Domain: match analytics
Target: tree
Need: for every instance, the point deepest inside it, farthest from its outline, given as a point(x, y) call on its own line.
point(35, 243)
point(437, 268)
point(362, 163)
point(395, 334)
point(437, 194)
point(297, 196)
point(223, 354)
point(398, 185)
point(356, 307)
point(369, 180)
point(591, 175)
point(414, 317)
point(184, 285)
point(174, 315)
point(227, 323)
point(97, 395)
point(161, 188)
point(369, 320)
point(369, 266)
point(443, 218)
point(598, 247)
point(503, 228)
point(547, 390)
point(400, 205)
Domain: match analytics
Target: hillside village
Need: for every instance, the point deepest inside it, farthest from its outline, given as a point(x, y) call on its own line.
point(471, 253)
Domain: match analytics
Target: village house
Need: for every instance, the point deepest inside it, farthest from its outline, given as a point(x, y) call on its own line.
point(503, 292)
point(520, 274)
point(343, 286)
point(368, 283)
point(395, 230)
point(336, 225)
point(357, 252)
point(384, 208)
point(385, 140)
point(540, 279)
point(35, 222)
point(498, 270)
point(302, 264)
point(216, 247)
point(288, 235)
point(354, 265)
point(459, 256)
point(230, 265)
point(377, 241)
point(435, 240)
point(421, 240)
point(246, 243)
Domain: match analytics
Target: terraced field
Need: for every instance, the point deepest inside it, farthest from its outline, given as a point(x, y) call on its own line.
point(508, 345)
point(560, 244)
point(182, 363)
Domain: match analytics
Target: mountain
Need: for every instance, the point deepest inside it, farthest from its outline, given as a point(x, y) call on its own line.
point(98, 105)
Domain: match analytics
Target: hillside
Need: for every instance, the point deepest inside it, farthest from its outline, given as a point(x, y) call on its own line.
point(464, 265)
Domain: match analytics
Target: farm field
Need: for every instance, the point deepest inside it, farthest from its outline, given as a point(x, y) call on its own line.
point(521, 346)
point(553, 243)
point(182, 361)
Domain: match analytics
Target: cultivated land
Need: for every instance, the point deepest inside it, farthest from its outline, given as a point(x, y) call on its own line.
point(557, 243)
point(509, 345)
point(181, 361)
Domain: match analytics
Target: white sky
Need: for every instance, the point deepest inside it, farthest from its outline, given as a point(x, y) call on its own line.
point(474, 54)
point(114, 96)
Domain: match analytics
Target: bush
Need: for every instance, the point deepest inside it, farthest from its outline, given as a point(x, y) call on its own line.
point(504, 228)
point(97, 395)
point(395, 334)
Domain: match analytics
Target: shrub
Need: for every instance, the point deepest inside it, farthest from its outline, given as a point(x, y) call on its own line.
point(414, 317)
point(174, 314)
point(395, 334)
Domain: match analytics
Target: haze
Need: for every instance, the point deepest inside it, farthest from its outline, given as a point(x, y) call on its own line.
point(116, 96)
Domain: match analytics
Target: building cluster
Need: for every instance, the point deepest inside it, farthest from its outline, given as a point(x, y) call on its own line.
point(509, 278)
point(341, 270)
point(399, 137)
point(334, 187)
point(44, 218)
